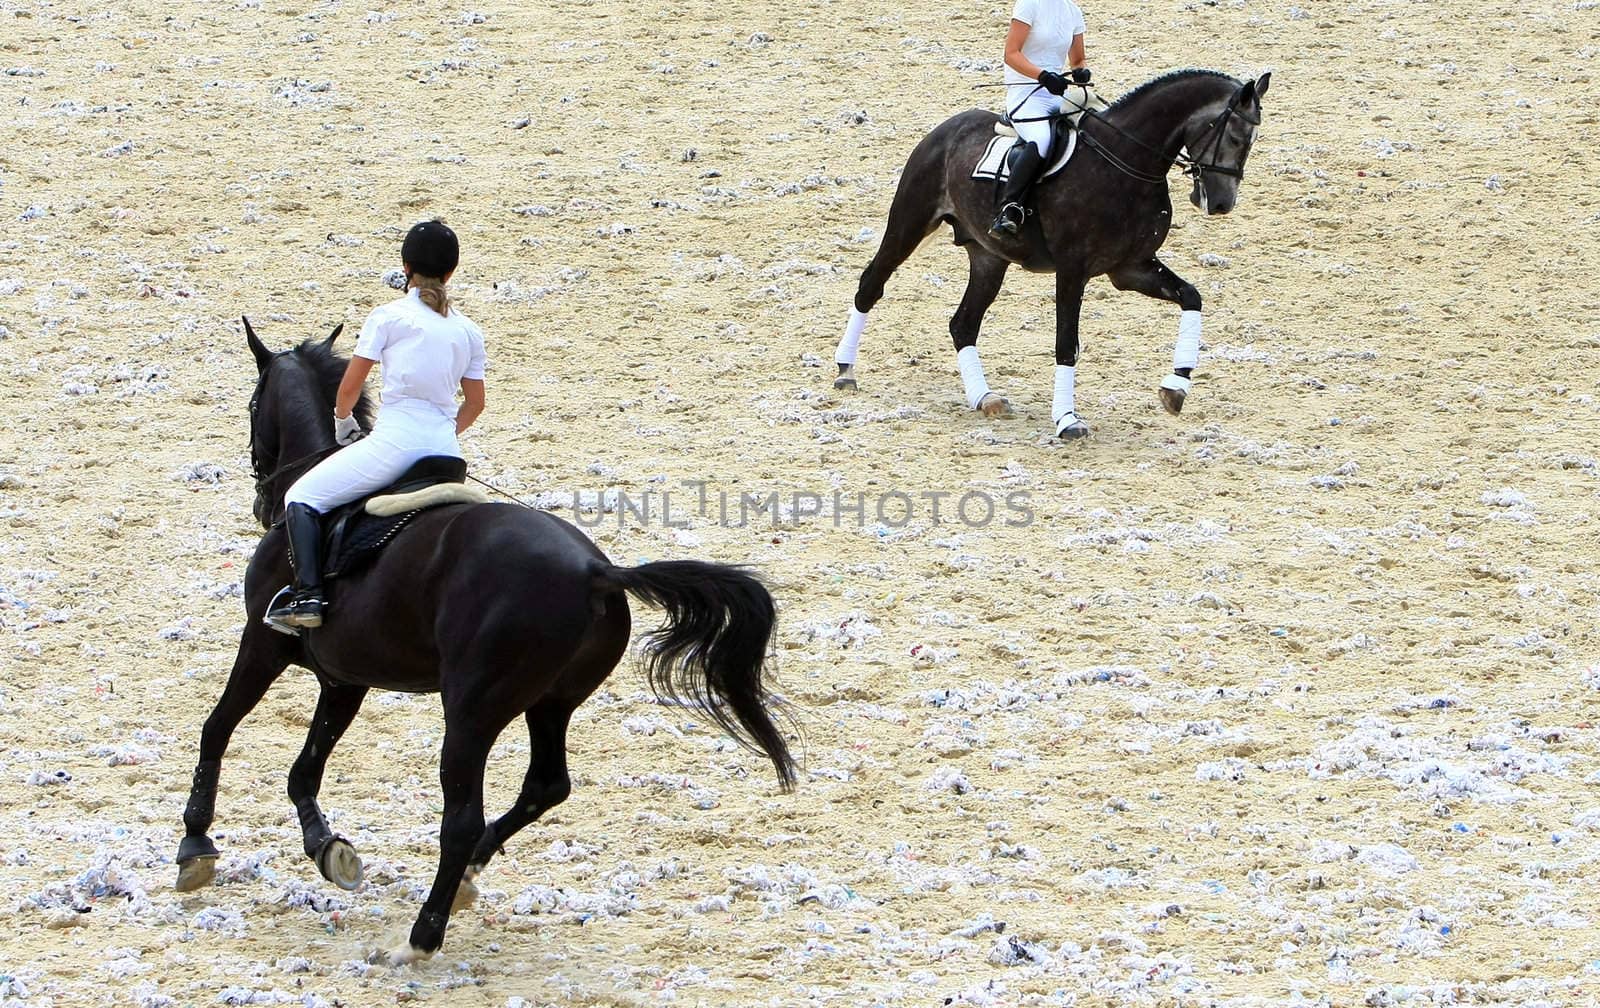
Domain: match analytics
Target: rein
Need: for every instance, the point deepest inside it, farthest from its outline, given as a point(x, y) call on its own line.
point(1191, 166)
point(266, 480)
point(491, 486)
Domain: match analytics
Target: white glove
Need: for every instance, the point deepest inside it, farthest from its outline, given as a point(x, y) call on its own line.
point(346, 430)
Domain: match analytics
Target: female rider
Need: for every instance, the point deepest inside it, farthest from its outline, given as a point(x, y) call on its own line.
point(1046, 38)
point(428, 350)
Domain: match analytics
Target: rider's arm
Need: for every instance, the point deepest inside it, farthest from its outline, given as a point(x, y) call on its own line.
point(355, 376)
point(1076, 57)
point(471, 403)
point(1014, 58)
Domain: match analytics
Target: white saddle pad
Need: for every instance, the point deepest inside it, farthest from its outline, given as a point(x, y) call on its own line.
point(427, 497)
point(992, 165)
point(1078, 99)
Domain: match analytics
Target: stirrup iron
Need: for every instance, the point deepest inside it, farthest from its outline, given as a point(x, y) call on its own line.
point(281, 601)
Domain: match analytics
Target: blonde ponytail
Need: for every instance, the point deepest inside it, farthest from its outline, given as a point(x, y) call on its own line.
point(431, 291)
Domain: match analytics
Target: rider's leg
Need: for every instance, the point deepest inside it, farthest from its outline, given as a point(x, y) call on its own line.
point(304, 526)
point(365, 467)
point(1026, 160)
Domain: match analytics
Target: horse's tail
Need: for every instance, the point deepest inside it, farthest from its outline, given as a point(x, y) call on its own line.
point(712, 650)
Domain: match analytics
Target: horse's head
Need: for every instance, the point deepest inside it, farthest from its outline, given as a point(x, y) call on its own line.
point(289, 429)
point(1218, 141)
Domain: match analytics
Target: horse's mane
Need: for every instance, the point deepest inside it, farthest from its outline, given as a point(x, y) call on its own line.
point(1167, 78)
point(328, 367)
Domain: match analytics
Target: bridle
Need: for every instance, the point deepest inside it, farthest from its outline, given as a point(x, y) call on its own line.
point(1211, 146)
point(255, 456)
point(1216, 129)
point(265, 481)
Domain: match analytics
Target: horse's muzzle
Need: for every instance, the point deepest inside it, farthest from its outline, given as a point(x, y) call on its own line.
point(1209, 203)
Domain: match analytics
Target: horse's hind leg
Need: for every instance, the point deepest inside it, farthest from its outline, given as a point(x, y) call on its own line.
point(913, 216)
point(333, 855)
point(1153, 278)
point(258, 664)
point(984, 276)
point(547, 783)
point(545, 786)
point(470, 730)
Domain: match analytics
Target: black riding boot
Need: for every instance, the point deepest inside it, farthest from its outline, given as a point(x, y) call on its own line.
point(1025, 162)
point(304, 609)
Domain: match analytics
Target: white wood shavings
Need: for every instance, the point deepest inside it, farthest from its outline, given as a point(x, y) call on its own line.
point(125, 755)
point(1392, 658)
point(201, 472)
point(183, 630)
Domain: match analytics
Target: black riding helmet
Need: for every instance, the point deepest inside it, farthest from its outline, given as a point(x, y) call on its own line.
point(431, 249)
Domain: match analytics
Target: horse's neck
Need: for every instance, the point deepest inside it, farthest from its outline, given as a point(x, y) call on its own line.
point(305, 425)
point(1158, 117)
point(304, 439)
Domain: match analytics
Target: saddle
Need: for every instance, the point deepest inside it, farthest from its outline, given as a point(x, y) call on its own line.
point(353, 533)
point(996, 166)
point(1078, 100)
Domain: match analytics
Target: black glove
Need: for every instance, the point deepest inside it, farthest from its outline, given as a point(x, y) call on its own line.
point(1080, 75)
point(1052, 81)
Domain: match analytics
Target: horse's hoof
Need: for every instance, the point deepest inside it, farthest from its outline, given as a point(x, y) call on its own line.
point(467, 891)
point(196, 873)
point(994, 405)
point(339, 864)
point(1070, 428)
point(847, 377)
point(1174, 390)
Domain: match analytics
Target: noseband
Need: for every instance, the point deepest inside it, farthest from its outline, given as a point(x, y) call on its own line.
point(1216, 129)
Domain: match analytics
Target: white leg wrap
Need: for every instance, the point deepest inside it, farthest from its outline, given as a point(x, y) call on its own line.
point(1064, 402)
point(1186, 352)
point(846, 354)
point(972, 378)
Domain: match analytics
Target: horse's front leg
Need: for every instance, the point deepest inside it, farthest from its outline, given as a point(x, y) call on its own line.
point(261, 659)
point(985, 274)
point(333, 855)
point(1153, 278)
point(1064, 406)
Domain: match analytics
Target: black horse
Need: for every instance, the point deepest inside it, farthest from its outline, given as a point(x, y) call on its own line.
point(1107, 211)
point(501, 609)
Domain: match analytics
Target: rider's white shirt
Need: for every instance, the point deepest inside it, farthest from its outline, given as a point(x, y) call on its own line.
point(424, 354)
point(1052, 25)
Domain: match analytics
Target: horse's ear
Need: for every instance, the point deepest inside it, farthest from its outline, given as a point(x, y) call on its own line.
point(334, 335)
point(1261, 84)
point(262, 354)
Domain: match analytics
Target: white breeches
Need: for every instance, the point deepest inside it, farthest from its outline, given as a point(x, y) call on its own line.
point(400, 438)
point(1029, 101)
